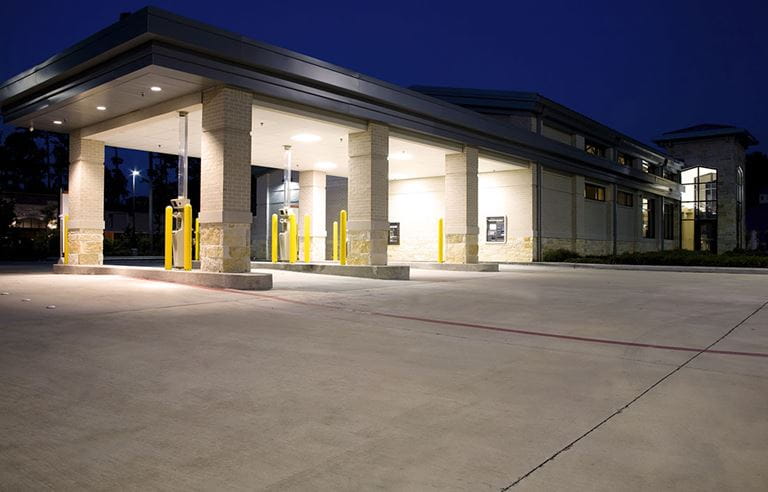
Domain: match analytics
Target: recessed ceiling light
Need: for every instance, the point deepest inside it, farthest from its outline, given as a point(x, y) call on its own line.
point(326, 165)
point(400, 156)
point(101, 108)
point(155, 88)
point(57, 122)
point(306, 138)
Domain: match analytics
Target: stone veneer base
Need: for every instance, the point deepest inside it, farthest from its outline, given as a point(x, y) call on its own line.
point(239, 281)
point(380, 272)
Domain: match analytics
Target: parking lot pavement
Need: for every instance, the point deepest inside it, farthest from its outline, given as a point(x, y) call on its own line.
point(531, 379)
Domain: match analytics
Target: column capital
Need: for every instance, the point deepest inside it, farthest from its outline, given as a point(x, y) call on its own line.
point(222, 109)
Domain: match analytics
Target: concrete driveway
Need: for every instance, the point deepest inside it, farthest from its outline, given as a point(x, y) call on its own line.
point(527, 379)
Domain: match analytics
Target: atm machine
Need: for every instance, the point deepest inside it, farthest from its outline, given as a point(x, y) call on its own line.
point(284, 236)
point(178, 204)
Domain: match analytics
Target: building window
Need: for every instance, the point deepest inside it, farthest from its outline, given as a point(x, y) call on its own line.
point(649, 218)
point(739, 206)
point(594, 192)
point(594, 148)
point(669, 220)
point(625, 199)
point(650, 167)
point(624, 159)
point(699, 209)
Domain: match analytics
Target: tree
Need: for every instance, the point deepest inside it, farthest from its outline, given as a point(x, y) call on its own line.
point(7, 215)
point(115, 183)
point(22, 163)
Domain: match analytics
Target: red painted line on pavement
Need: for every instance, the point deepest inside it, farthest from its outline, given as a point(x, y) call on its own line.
point(516, 331)
point(572, 337)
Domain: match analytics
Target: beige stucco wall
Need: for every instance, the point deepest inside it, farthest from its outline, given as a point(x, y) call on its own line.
point(418, 204)
point(509, 194)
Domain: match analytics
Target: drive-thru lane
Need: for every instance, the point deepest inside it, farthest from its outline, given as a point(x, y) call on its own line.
point(337, 383)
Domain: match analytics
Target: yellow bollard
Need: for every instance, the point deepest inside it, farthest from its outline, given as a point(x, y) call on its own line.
point(168, 237)
point(335, 241)
point(65, 233)
point(274, 238)
point(440, 240)
point(187, 237)
point(197, 239)
point(293, 246)
point(343, 237)
point(307, 238)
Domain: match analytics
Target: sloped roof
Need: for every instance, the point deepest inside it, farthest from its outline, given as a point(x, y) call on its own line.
point(491, 101)
point(707, 130)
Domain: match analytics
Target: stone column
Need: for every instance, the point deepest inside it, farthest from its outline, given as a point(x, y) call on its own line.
point(312, 202)
point(461, 207)
point(225, 181)
point(368, 196)
point(86, 201)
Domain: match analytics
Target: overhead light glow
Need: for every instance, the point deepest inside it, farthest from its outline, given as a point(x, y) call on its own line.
point(101, 108)
point(155, 88)
point(400, 156)
point(326, 165)
point(306, 138)
point(57, 122)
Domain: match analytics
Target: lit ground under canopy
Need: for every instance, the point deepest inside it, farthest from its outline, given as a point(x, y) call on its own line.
point(572, 379)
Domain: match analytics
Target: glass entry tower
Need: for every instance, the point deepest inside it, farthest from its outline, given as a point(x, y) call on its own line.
point(699, 209)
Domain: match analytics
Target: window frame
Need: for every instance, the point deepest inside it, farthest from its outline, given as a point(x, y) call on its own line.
point(625, 193)
point(599, 149)
point(626, 157)
point(669, 218)
point(600, 192)
point(648, 217)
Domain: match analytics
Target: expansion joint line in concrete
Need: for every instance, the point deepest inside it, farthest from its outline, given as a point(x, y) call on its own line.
point(633, 400)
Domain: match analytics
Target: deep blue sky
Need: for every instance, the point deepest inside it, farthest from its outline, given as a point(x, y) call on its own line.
point(642, 67)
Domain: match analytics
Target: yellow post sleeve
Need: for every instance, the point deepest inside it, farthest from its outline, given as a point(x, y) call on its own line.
point(274, 238)
point(65, 233)
point(335, 240)
point(293, 239)
point(307, 238)
point(168, 237)
point(197, 239)
point(440, 239)
point(343, 237)
point(187, 237)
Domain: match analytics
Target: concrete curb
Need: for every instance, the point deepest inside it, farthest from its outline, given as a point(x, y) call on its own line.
point(380, 272)
point(133, 258)
point(456, 267)
point(649, 268)
point(239, 281)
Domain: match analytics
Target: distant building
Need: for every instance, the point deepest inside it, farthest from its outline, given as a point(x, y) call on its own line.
point(33, 210)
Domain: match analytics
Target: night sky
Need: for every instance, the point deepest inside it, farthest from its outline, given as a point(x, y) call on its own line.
point(641, 67)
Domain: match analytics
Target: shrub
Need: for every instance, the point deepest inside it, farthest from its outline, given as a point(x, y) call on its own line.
point(680, 257)
point(560, 255)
